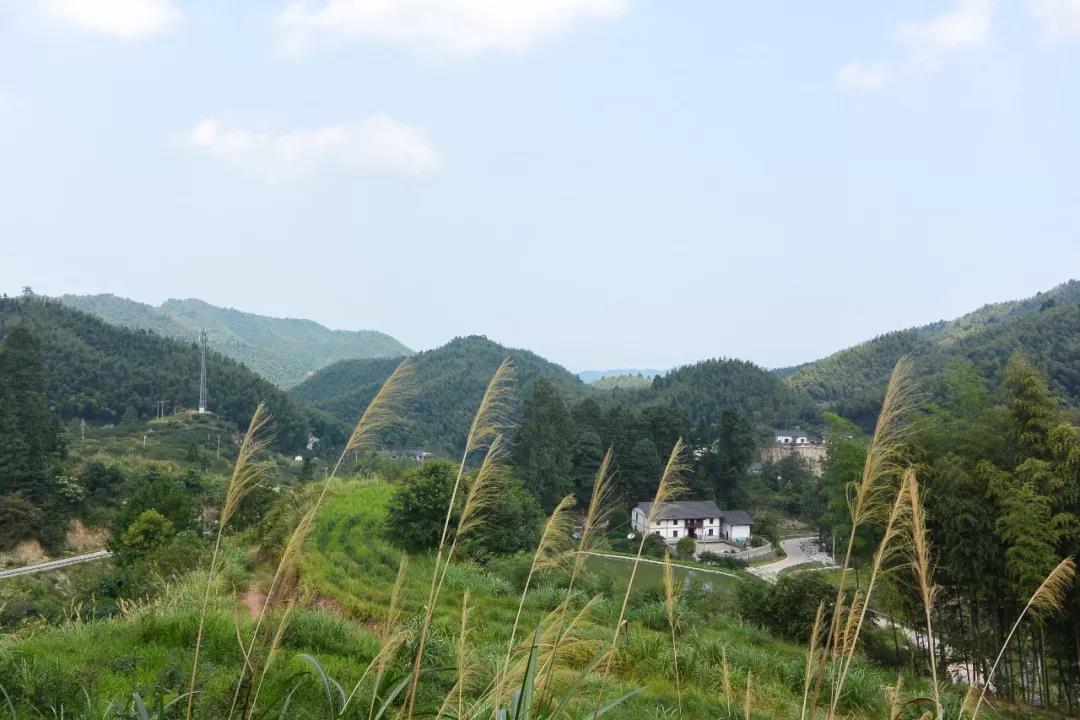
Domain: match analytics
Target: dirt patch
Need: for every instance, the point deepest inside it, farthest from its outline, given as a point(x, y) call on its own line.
point(28, 552)
point(253, 600)
point(81, 539)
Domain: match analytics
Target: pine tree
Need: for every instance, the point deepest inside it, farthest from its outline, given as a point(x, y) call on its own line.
point(29, 434)
point(542, 453)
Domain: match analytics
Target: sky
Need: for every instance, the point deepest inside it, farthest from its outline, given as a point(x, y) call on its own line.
point(609, 183)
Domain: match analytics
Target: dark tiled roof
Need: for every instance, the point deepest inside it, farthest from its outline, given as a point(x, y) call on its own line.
point(680, 509)
point(792, 433)
point(736, 517)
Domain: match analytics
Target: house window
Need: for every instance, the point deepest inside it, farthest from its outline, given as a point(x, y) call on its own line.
point(674, 533)
point(710, 532)
point(655, 532)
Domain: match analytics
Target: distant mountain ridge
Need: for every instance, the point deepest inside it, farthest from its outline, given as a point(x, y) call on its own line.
point(1045, 326)
point(285, 351)
point(448, 382)
point(591, 376)
point(102, 373)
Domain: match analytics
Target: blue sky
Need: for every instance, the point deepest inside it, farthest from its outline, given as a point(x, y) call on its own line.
point(607, 182)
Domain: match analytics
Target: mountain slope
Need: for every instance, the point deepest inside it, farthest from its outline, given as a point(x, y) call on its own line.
point(449, 382)
point(1045, 327)
point(283, 350)
point(103, 373)
point(703, 389)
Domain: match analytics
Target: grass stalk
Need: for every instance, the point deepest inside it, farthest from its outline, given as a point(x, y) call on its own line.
point(670, 599)
point(489, 422)
point(246, 474)
point(1049, 597)
point(671, 485)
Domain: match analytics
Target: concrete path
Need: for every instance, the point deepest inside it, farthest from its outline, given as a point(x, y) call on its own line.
point(695, 568)
point(799, 551)
point(53, 564)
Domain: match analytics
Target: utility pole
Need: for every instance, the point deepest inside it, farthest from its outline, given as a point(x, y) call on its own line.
point(202, 371)
point(218, 447)
point(161, 408)
point(82, 429)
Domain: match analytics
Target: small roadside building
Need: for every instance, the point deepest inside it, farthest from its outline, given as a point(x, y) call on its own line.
point(702, 520)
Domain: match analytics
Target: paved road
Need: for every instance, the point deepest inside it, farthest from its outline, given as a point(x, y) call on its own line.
point(799, 551)
point(695, 568)
point(53, 564)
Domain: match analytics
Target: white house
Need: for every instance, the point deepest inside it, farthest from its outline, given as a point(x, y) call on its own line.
point(793, 437)
point(701, 520)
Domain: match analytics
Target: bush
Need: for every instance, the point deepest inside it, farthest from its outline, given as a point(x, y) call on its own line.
point(685, 548)
point(787, 608)
point(654, 547)
point(19, 519)
point(730, 562)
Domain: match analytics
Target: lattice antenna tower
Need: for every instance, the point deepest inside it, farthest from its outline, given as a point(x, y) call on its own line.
point(202, 371)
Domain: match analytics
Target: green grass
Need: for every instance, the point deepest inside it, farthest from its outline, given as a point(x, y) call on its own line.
point(346, 574)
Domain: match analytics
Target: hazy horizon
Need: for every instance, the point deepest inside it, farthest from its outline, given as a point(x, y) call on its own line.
point(608, 183)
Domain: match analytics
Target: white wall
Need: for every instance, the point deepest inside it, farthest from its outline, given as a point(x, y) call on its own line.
point(737, 532)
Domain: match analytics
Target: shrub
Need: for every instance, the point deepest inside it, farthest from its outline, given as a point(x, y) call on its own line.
point(787, 608)
point(19, 519)
point(685, 548)
point(731, 562)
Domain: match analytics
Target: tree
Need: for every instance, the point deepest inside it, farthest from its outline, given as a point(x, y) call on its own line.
point(417, 510)
point(685, 548)
point(723, 466)
point(30, 441)
point(542, 451)
point(162, 493)
point(19, 520)
point(148, 532)
point(510, 525)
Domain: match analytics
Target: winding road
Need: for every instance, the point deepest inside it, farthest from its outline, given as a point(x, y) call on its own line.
point(800, 550)
point(53, 564)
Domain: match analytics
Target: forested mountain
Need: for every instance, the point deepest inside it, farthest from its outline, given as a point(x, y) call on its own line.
point(449, 381)
point(1045, 327)
point(704, 389)
point(103, 373)
point(591, 376)
point(283, 350)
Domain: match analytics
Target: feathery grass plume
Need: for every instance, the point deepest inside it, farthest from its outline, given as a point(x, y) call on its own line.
point(814, 655)
point(894, 541)
point(866, 499)
point(923, 569)
point(247, 473)
point(550, 552)
point(381, 412)
point(726, 677)
point(672, 483)
point(1046, 600)
point(670, 598)
point(596, 516)
point(893, 694)
point(492, 418)
point(748, 699)
point(384, 410)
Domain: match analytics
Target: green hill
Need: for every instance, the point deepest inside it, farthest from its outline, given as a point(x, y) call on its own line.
point(1046, 327)
point(449, 382)
point(283, 350)
point(104, 374)
point(703, 389)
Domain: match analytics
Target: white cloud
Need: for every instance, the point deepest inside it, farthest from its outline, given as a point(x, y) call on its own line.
point(125, 18)
point(928, 42)
point(1060, 18)
point(966, 26)
point(453, 27)
point(862, 75)
point(377, 145)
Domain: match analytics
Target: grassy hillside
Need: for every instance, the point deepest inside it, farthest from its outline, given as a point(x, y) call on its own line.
point(449, 381)
point(1045, 327)
point(283, 350)
point(104, 374)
